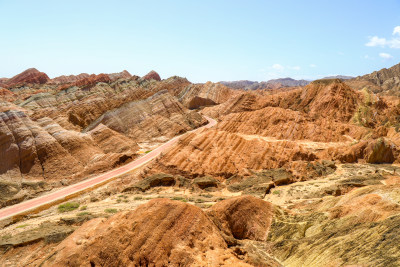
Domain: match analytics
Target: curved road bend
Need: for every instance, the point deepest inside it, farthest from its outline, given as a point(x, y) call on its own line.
point(61, 194)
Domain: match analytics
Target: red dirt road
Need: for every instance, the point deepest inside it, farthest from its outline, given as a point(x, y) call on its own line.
point(46, 200)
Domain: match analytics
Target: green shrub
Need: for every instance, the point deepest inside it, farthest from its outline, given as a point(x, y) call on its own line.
point(83, 208)
point(22, 226)
point(69, 206)
point(111, 210)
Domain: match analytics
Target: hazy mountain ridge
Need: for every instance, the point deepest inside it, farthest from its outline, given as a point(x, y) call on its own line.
point(270, 84)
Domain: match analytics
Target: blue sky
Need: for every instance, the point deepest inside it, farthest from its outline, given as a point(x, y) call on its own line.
point(201, 40)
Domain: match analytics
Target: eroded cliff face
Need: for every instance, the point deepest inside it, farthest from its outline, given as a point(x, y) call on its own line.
point(56, 136)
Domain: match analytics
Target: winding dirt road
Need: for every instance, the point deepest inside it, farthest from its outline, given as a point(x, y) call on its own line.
point(52, 198)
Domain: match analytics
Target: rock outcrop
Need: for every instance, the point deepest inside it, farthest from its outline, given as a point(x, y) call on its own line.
point(385, 80)
point(244, 217)
point(29, 76)
point(152, 75)
point(69, 79)
point(207, 94)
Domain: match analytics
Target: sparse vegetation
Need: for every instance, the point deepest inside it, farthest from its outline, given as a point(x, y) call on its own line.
point(69, 206)
point(276, 192)
point(183, 199)
point(81, 214)
point(138, 198)
point(83, 208)
point(22, 226)
point(364, 114)
point(111, 210)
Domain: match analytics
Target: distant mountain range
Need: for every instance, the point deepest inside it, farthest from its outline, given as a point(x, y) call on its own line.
point(271, 84)
point(341, 77)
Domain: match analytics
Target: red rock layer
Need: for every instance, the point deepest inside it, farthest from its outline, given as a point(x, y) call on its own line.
point(29, 76)
point(219, 153)
point(92, 80)
point(69, 79)
point(290, 125)
point(152, 75)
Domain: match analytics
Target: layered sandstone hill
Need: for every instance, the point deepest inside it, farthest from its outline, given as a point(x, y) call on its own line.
point(197, 95)
point(120, 75)
point(86, 79)
point(331, 99)
point(159, 233)
point(44, 151)
point(223, 154)
point(152, 75)
point(291, 125)
point(68, 79)
point(159, 115)
point(91, 126)
point(29, 76)
point(328, 98)
point(385, 80)
point(358, 229)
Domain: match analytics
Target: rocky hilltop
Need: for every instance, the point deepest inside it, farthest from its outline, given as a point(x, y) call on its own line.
point(29, 76)
point(302, 175)
point(386, 81)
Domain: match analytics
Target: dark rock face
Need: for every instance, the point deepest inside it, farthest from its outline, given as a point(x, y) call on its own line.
point(244, 217)
point(198, 102)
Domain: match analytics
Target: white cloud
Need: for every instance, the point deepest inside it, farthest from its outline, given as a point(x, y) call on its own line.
point(376, 41)
point(395, 43)
point(295, 68)
point(396, 30)
point(278, 67)
point(313, 65)
point(366, 57)
point(385, 56)
point(383, 42)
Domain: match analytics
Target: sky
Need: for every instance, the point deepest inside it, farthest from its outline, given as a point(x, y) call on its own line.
point(208, 40)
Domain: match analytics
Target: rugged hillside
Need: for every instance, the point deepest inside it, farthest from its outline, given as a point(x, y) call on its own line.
point(328, 98)
point(290, 125)
point(289, 177)
point(386, 81)
point(156, 116)
point(44, 151)
point(161, 232)
point(68, 79)
point(216, 153)
point(53, 136)
point(197, 95)
point(152, 75)
point(29, 76)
